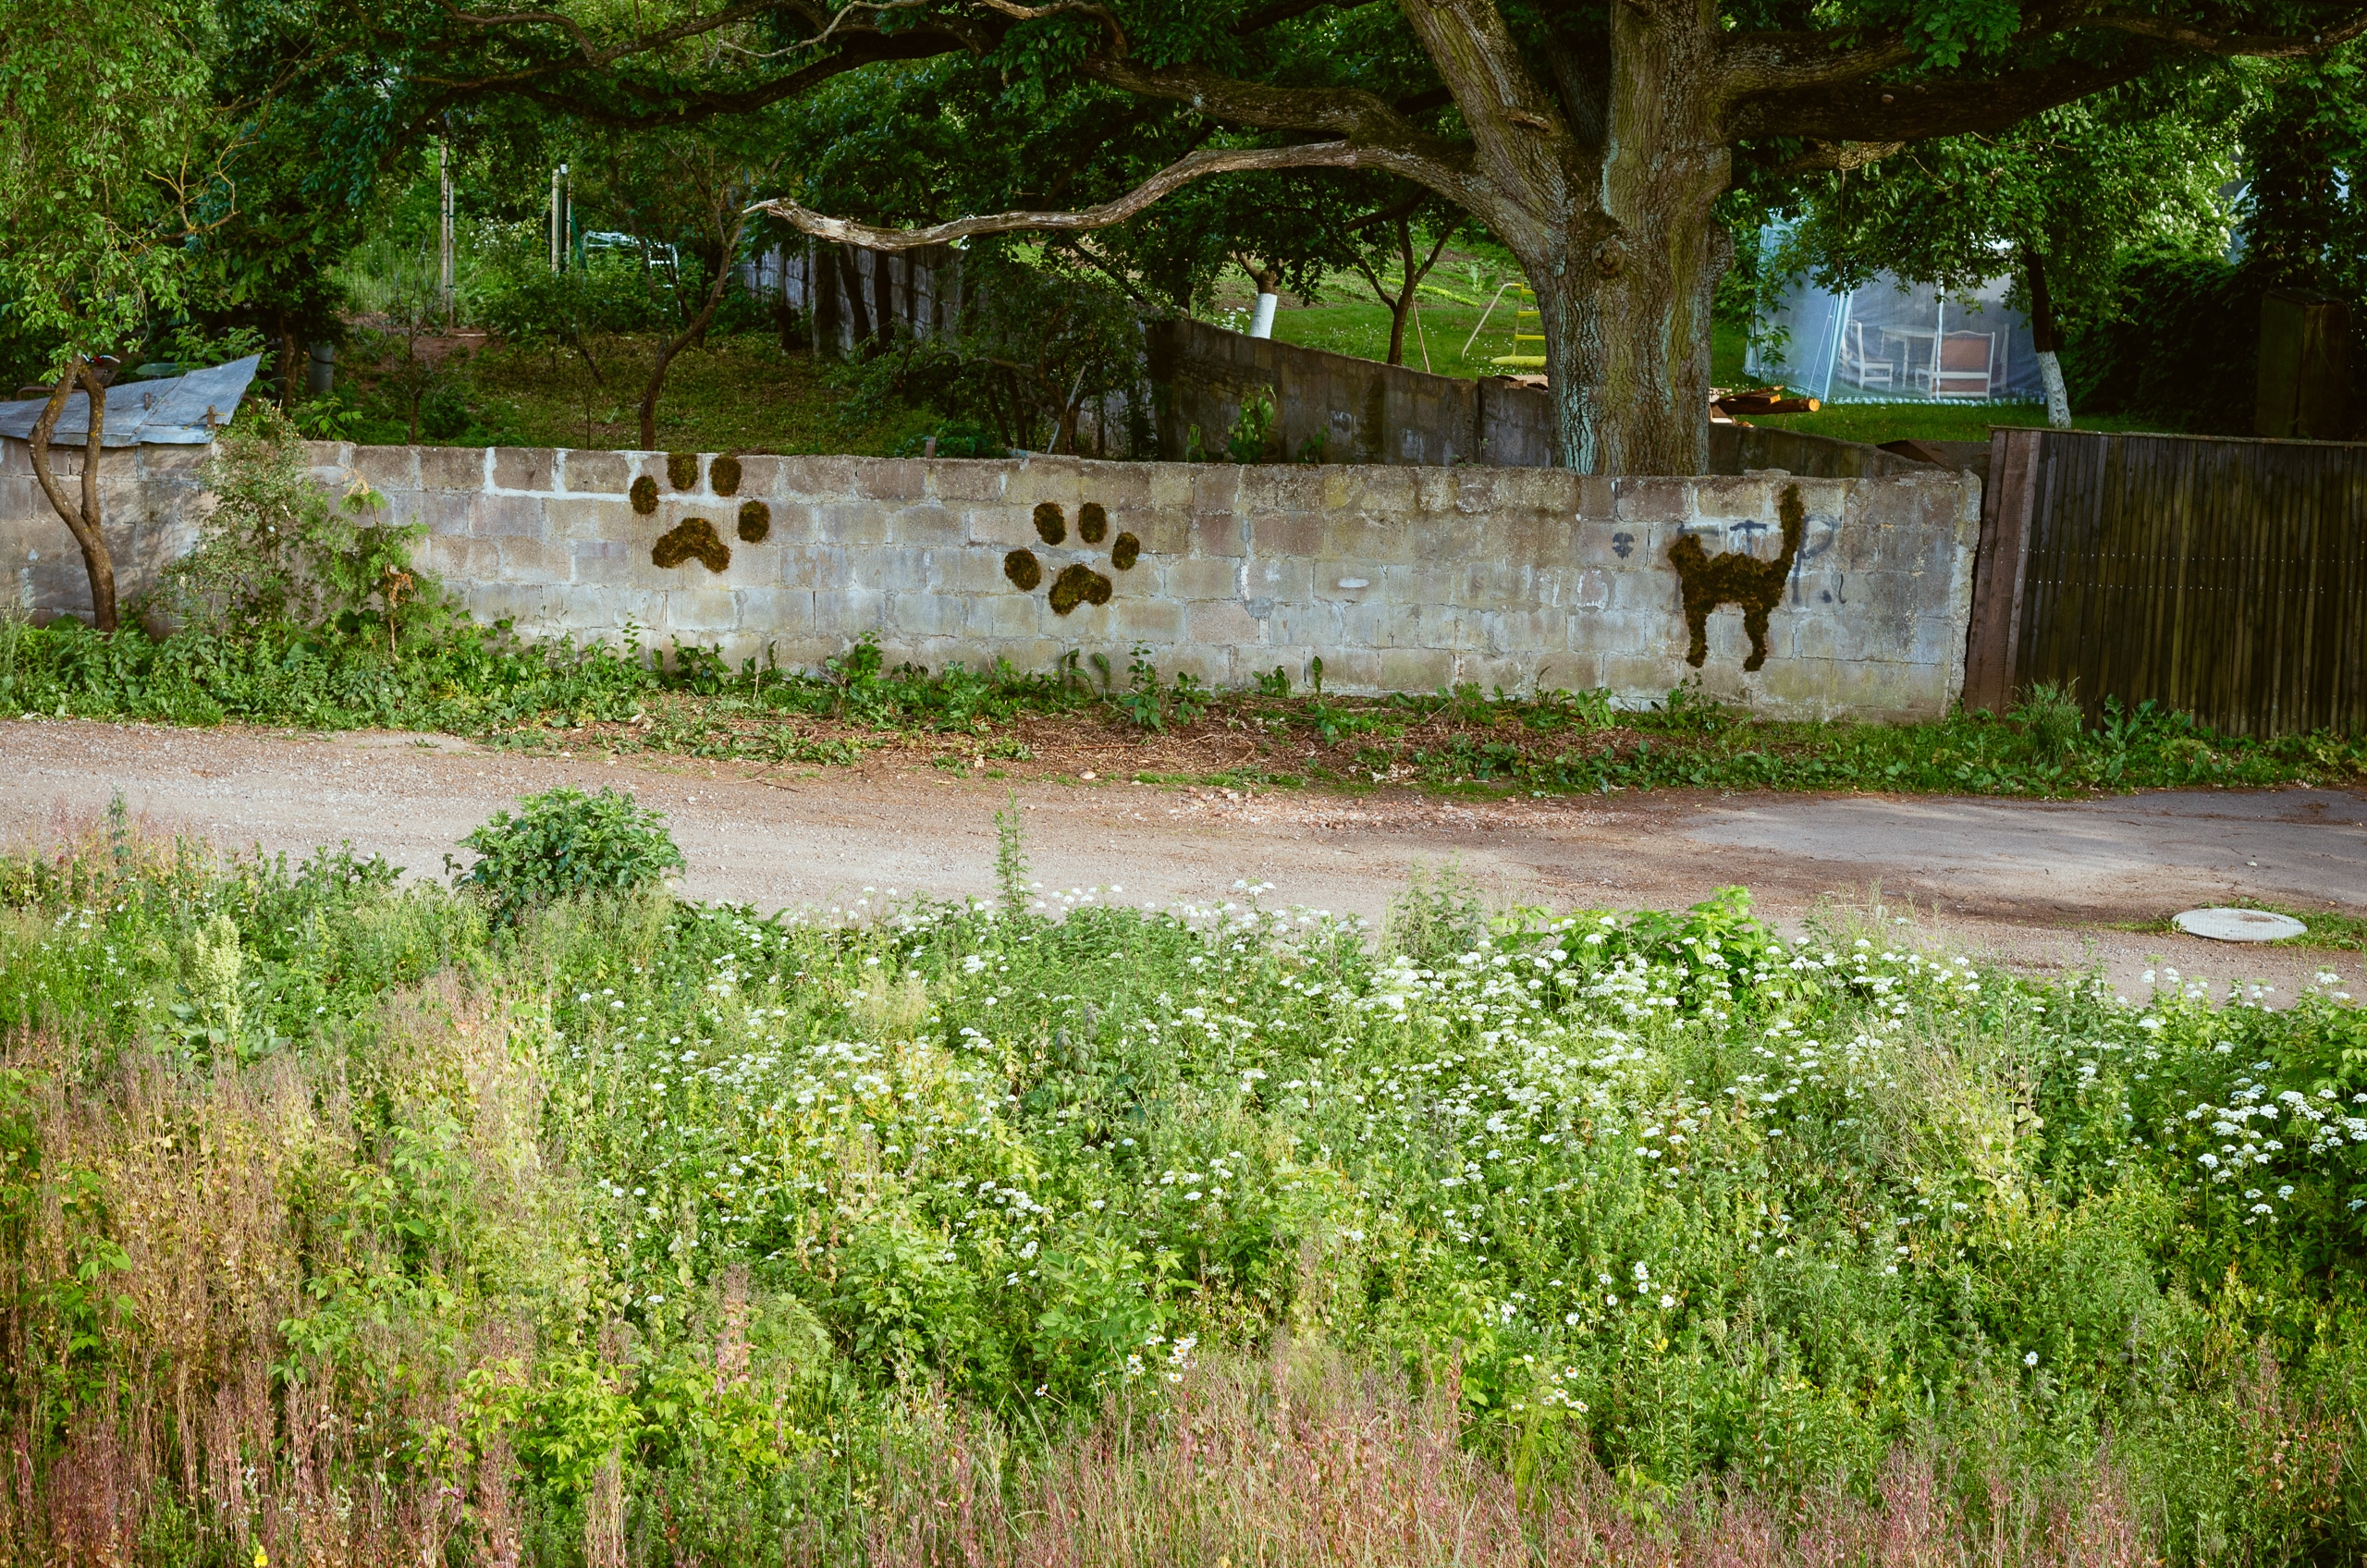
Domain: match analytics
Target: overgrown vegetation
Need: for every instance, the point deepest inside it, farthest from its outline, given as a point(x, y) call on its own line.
point(340, 1223)
point(487, 683)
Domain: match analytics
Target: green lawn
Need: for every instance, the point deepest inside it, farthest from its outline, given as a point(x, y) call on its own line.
point(735, 394)
point(1878, 423)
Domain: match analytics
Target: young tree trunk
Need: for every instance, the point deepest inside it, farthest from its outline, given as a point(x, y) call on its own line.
point(695, 329)
point(858, 313)
point(2043, 338)
point(83, 522)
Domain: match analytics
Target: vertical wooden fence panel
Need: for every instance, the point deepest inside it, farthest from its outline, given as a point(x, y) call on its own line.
point(2227, 579)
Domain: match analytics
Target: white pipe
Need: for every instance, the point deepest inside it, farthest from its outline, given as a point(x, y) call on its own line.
point(1262, 324)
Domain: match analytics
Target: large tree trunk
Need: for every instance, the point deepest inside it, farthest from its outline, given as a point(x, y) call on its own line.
point(83, 522)
point(1605, 191)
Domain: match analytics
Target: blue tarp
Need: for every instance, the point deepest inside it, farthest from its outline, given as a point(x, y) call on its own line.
point(181, 410)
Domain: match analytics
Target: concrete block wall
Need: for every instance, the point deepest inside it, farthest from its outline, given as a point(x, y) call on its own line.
point(1399, 578)
point(152, 499)
point(1361, 411)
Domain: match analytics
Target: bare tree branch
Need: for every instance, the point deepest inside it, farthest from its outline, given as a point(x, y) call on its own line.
point(1195, 165)
point(1037, 13)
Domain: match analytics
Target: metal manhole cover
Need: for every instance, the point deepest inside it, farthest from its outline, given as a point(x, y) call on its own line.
point(2238, 925)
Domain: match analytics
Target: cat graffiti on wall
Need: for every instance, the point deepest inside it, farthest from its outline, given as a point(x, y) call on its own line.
point(1733, 577)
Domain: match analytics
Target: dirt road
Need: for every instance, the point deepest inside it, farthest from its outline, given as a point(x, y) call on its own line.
point(2034, 885)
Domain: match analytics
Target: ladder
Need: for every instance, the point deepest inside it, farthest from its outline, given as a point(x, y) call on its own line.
point(1524, 314)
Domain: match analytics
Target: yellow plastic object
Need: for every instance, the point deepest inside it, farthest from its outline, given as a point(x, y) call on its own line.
point(1520, 362)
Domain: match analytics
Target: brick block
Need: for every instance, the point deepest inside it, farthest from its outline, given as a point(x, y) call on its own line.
point(1145, 621)
point(1037, 478)
point(506, 517)
point(525, 467)
point(1286, 534)
point(924, 614)
point(582, 517)
point(812, 567)
point(891, 479)
point(965, 479)
point(1413, 670)
point(818, 479)
point(850, 522)
point(525, 559)
point(927, 523)
point(700, 611)
point(596, 473)
point(997, 616)
point(849, 611)
point(1282, 581)
point(452, 468)
point(1172, 485)
point(1221, 623)
point(1653, 500)
point(389, 468)
point(1198, 577)
point(1218, 533)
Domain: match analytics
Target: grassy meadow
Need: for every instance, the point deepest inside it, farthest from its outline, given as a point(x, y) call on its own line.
point(351, 1219)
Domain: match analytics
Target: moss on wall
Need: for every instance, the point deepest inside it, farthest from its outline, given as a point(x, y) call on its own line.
point(693, 538)
point(645, 494)
point(1078, 585)
point(682, 470)
point(1733, 577)
point(756, 522)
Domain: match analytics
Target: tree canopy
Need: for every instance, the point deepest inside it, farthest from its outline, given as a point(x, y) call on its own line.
point(1594, 141)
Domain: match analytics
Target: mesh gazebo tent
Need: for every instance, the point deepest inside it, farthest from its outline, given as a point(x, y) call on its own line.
point(1889, 341)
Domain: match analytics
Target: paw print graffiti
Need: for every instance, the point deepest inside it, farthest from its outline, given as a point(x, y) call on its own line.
point(1075, 583)
point(694, 538)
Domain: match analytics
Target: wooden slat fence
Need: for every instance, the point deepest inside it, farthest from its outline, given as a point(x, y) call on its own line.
point(2225, 579)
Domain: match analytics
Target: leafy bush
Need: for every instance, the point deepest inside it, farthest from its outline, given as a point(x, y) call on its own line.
point(2050, 716)
point(276, 551)
point(563, 842)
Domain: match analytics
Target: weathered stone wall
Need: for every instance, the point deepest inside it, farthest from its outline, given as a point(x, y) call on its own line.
point(152, 497)
point(1359, 410)
point(1398, 578)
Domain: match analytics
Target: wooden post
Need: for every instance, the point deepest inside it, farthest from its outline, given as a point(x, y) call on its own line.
point(1992, 636)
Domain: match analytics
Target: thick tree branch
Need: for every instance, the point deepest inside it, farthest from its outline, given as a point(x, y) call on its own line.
point(1878, 112)
point(1343, 111)
point(1777, 62)
point(2254, 46)
point(672, 106)
point(1196, 165)
point(1817, 155)
point(1038, 13)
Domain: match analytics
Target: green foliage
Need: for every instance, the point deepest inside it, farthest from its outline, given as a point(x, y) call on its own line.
point(2050, 716)
point(100, 103)
point(2083, 187)
point(564, 842)
point(1035, 344)
point(276, 551)
point(720, 1198)
point(1245, 443)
